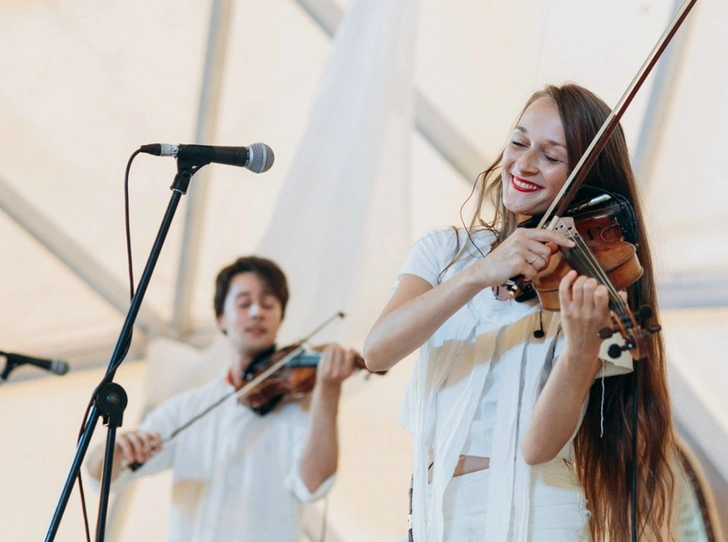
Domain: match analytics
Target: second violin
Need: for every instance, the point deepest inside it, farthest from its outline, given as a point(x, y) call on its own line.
point(294, 380)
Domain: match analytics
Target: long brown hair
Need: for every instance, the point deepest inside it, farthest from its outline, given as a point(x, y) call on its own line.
point(604, 464)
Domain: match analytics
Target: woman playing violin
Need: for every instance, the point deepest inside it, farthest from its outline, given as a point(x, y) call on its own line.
point(521, 421)
point(238, 475)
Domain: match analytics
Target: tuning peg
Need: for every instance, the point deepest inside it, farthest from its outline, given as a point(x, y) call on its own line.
point(654, 328)
point(616, 350)
point(606, 332)
point(645, 313)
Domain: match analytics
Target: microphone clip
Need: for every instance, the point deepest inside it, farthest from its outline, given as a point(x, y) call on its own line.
point(186, 168)
point(10, 364)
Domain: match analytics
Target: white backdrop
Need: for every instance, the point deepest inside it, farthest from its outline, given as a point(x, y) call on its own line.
point(86, 83)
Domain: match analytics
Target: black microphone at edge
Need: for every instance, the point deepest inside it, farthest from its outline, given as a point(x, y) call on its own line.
point(56, 366)
point(258, 157)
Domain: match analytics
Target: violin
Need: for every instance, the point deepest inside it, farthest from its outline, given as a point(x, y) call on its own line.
point(605, 227)
point(598, 252)
point(294, 380)
point(271, 378)
point(603, 230)
point(261, 392)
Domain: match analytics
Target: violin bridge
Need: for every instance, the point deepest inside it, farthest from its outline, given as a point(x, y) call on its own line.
point(566, 227)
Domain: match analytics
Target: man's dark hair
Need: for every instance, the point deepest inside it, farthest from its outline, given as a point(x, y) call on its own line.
point(266, 270)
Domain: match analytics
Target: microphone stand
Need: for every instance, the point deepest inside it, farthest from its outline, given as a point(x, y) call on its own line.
point(109, 399)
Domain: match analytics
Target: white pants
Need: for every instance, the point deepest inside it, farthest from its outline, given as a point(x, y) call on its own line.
point(558, 510)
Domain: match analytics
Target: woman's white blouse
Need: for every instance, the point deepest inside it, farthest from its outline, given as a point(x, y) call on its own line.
point(474, 386)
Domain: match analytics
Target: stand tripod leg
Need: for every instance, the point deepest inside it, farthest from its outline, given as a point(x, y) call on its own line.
point(179, 187)
point(111, 400)
point(106, 481)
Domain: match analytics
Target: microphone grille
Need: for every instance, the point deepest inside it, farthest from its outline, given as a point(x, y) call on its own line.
point(59, 367)
point(260, 157)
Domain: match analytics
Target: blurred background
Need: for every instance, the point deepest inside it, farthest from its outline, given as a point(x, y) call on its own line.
point(381, 114)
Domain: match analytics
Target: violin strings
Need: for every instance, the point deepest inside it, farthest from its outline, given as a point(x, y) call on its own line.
point(586, 259)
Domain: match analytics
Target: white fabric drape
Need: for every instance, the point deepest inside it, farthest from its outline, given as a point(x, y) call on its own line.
point(341, 225)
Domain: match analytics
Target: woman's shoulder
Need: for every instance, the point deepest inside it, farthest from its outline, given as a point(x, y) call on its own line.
point(444, 251)
point(449, 237)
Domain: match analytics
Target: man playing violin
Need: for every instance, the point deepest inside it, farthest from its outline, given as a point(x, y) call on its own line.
point(239, 475)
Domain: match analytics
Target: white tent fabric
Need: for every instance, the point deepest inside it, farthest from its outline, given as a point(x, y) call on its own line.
point(353, 163)
point(347, 190)
point(85, 83)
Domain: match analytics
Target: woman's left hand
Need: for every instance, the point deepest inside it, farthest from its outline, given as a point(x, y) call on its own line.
point(584, 311)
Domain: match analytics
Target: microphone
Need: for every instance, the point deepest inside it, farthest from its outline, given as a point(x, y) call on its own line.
point(56, 366)
point(258, 157)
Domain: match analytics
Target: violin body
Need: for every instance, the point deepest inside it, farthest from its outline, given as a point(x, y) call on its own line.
point(603, 235)
point(606, 223)
point(603, 251)
point(294, 381)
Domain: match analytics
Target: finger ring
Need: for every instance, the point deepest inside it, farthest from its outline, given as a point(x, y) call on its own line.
point(533, 260)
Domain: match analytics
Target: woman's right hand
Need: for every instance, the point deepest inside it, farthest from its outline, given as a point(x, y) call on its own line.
point(418, 308)
point(525, 252)
point(138, 446)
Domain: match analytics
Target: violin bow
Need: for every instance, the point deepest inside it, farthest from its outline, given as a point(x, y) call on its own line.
point(580, 171)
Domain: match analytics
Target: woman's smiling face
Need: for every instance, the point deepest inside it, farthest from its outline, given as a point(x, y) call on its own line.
point(535, 160)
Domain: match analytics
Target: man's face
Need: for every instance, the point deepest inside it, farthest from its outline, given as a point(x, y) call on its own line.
point(251, 314)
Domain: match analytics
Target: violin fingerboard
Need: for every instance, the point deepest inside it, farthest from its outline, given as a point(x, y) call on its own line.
point(306, 359)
